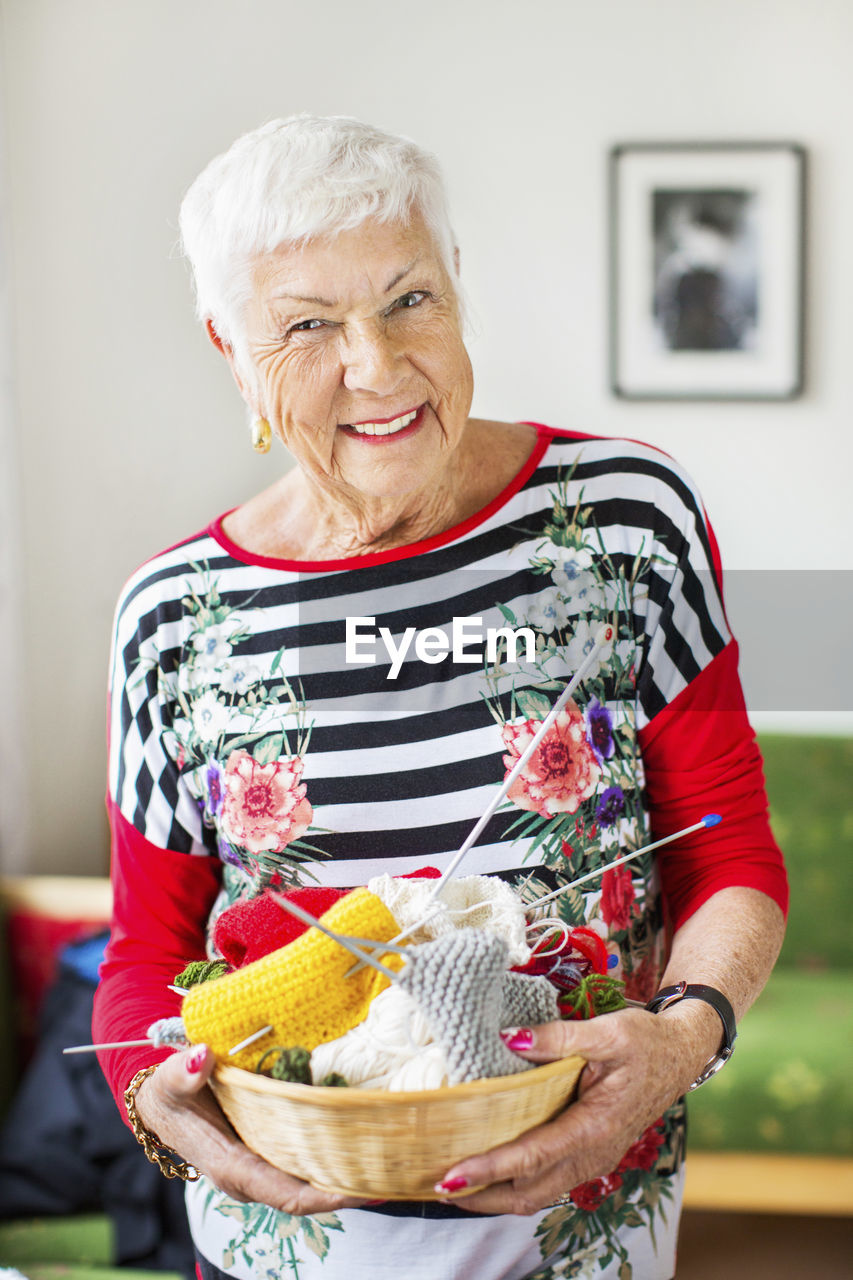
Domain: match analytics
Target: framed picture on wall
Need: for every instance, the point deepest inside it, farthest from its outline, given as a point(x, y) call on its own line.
point(707, 265)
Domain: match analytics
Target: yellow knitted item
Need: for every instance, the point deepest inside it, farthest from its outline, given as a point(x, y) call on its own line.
point(300, 989)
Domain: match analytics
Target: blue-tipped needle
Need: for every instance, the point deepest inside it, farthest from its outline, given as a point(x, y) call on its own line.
point(710, 820)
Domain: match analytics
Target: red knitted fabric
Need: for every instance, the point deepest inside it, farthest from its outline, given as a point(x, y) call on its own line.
point(252, 929)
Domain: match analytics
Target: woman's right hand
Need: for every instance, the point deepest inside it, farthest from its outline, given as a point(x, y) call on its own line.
point(176, 1104)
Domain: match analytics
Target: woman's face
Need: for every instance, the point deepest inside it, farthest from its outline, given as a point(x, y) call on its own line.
point(357, 358)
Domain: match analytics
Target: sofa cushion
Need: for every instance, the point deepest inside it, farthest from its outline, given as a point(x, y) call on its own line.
point(811, 812)
point(788, 1086)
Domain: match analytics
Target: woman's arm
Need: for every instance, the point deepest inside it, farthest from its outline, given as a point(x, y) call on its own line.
point(638, 1063)
point(161, 900)
point(176, 1104)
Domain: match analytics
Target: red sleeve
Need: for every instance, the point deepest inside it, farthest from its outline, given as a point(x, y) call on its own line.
point(161, 901)
point(700, 756)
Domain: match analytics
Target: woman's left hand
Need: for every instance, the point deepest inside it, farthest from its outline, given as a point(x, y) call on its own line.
point(638, 1064)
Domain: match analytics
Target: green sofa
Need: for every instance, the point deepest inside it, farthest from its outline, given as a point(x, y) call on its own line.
point(779, 1118)
point(772, 1132)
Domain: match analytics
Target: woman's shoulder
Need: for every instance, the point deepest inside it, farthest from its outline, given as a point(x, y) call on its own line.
point(622, 464)
point(154, 591)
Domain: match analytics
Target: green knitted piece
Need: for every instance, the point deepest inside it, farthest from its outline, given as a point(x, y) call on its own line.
point(292, 1064)
point(596, 993)
point(201, 971)
point(334, 1081)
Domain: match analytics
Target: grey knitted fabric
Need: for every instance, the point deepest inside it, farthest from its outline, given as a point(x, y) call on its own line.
point(528, 999)
point(167, 1031)
point(459, 981)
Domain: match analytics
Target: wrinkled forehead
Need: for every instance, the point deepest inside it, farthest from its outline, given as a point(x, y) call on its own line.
point(366, 262)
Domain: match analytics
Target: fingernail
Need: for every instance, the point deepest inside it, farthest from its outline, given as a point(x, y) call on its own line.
point(517, 1037)
point(369, 1203)
point(450, 1185)
point(196, 1060)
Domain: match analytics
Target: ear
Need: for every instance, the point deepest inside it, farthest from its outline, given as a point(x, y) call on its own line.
point(222, 347)
point(225, 349)
point(456, 258)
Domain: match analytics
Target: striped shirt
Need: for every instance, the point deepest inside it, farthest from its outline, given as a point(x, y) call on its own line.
point(329, 722)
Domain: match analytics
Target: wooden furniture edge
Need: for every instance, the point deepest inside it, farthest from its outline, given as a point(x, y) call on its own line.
point(769, 1183)
point(59, 897)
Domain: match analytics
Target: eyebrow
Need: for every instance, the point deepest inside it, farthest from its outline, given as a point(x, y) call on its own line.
point(326, 302)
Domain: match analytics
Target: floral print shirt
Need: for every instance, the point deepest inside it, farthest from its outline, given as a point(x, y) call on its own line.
point(324, 723)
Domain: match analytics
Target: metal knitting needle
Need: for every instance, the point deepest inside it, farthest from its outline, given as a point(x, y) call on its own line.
point(113, 1044)
point(603, 636)
point(710, 820)
point(313, 923)
point(244, 1044)
point(348, 943)
point(364, 942)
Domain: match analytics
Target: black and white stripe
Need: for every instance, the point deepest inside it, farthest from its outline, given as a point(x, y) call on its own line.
point(401, 770)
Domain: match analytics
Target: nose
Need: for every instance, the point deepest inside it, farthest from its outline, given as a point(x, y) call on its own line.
point(373, 361)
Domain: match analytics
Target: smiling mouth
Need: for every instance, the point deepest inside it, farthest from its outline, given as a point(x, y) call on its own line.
point(390, 427)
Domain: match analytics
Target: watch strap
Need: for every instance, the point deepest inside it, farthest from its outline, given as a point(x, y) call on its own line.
point(699, 991)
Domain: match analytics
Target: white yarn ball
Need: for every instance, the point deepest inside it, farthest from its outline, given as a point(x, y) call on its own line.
point(391, 1040)
point(472, 902)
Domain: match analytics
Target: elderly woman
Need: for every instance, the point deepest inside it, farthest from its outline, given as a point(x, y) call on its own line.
point(283, 705)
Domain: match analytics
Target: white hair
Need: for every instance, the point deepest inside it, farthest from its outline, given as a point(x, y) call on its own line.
point(292, 180)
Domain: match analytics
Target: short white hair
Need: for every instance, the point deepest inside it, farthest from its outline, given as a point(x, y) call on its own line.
point(292, 180)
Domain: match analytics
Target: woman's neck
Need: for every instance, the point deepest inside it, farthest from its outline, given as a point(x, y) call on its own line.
point(300, 518)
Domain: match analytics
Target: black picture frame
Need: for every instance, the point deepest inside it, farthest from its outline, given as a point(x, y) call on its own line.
point(707, 270)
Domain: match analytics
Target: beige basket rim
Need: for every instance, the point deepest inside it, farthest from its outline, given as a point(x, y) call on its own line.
point(326, 1096)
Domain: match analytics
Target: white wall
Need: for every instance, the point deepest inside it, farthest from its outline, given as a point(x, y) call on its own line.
point(131, 435)
point(13, 764)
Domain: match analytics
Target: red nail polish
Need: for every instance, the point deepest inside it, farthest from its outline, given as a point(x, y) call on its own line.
point(452, 1184)
point(196, 1060)
point(518, 1038)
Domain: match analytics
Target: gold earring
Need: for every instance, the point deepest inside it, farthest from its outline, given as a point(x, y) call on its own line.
point(261, 435)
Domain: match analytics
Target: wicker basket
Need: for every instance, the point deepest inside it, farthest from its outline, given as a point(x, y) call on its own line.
point(380, 1145)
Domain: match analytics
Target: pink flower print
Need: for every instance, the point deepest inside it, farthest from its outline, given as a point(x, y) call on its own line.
point(563, 770)
point(265, 806)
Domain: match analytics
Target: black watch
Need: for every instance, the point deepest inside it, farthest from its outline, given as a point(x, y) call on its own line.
point(716, 999)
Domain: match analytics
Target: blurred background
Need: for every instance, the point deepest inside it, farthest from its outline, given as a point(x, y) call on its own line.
point(121, 431)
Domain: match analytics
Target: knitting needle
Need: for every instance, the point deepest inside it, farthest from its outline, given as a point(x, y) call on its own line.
point(710, 820)
point(244, 1044)
point(313, 923)
point(114, 1044)
point(366, 942)
point(603, 636)
point(164, 1033)
point(348, 943)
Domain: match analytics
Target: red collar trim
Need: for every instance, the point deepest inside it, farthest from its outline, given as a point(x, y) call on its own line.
point(545, 434)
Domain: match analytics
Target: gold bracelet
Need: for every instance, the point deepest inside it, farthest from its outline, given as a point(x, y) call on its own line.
point(168, 1161)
